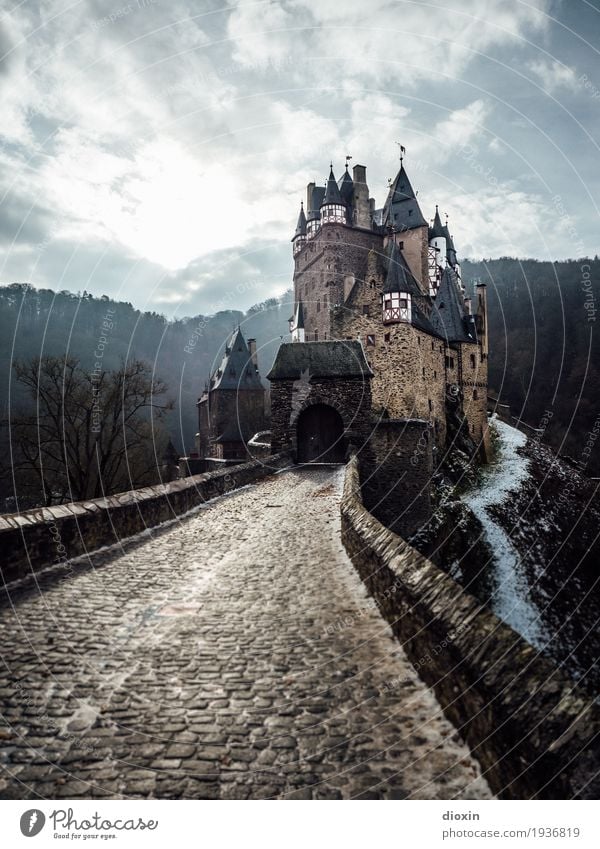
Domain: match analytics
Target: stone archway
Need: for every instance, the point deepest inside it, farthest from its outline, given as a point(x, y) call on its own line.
point(320, 435)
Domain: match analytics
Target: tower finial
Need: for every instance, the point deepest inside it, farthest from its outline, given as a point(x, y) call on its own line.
point(402, 151)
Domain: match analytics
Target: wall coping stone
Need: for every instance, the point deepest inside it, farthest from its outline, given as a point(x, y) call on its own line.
point(535, 731)
point(37, 538)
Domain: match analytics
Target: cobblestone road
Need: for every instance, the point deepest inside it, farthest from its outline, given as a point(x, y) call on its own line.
point(233, 655)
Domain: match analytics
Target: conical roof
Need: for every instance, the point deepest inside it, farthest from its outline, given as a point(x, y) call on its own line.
point(299, 317)
point(301, 225)
point(448, 315)
point(401, 209)
point(399, 277)
point(438, 228)
point(332, 193)
point(346, 186)
point(236, 371)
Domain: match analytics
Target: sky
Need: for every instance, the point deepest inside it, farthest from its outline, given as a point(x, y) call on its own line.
point(157, 150)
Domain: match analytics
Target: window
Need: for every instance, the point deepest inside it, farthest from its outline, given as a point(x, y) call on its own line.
point(370, 339)
point(473, 363)
point(365, 309)
point(475, 395)
point(316, 335)
point(433, 346)
point(387, 337)
point(449, 362)
point(403, 304)
point(423, 371)
point(434, 375)
point(430, 405)
point(418, 340)
point(318, 306)
point(401, 245)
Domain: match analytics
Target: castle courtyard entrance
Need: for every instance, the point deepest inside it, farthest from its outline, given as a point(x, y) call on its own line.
point(320, 435)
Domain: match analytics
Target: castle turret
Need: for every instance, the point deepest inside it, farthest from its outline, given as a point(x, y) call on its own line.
point(297, 323)
point(333, 210)
point(299, 239)
point(399, 289)
point(437, 239)
point(346, 187)
point(314, 196)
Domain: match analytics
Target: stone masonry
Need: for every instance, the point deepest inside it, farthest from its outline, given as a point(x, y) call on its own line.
point(232, 655)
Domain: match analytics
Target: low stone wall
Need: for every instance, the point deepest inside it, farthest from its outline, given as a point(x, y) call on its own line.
point(532, 729)
point(37, 538)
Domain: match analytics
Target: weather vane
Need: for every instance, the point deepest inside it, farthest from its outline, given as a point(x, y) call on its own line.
point(402, 151)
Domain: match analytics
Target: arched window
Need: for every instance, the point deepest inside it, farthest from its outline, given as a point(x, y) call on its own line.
point(475, 395)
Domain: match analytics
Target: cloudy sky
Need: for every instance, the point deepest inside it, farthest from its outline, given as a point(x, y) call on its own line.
point(157, 151)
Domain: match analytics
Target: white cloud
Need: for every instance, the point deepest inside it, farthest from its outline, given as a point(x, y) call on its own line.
point(553, 74)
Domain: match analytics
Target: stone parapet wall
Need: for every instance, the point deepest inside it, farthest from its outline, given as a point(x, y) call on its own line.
point(534, 731)
point(42, 537)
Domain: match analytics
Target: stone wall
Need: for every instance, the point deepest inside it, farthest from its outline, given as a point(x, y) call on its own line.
point(408, 364)
point(53, 535)
point(395, 473)
point(531, 728)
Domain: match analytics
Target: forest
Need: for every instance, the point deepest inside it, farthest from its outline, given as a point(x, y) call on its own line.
point(544, 355)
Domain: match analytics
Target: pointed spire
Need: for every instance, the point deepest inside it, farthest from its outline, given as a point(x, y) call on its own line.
point(437, 230)
point(332, 193)
point(401, 209)
point(448, 315)
point(399, 277)
point(301, 225)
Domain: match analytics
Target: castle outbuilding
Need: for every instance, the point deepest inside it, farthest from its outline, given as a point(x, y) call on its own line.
point(232, 407)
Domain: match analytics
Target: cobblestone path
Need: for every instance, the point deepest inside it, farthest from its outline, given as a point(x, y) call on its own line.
point(233, 655)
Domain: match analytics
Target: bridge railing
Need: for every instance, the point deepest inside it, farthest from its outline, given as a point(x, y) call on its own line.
point(534, 730)
point(53, 536)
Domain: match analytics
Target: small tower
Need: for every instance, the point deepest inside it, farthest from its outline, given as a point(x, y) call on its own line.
point(297, 323)
point(333, 209)
point(398, 289)
point(299, 239)
point(437, 239)
point(314, 196)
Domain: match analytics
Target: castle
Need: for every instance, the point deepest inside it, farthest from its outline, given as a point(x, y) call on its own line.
point(388, 357)
point(386, 277)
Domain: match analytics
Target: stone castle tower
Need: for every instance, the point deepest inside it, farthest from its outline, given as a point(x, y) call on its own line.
point(386, 277)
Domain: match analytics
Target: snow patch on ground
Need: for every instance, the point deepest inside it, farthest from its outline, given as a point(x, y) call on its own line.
point(511, 600)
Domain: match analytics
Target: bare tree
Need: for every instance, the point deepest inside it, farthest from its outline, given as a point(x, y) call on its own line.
point(91, 433)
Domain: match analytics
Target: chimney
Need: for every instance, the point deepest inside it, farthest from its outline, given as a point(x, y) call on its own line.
point(252, 349)
point(309, 196)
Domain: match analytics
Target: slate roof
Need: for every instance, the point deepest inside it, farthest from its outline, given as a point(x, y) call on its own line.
point(448, 315)
point(321, 359)
point(301, 225)
point(438, 228)
point(399, 277)
point(236, 370)
point(401, 209)
point(332, 193)
point(317, 198)
point(346, 187)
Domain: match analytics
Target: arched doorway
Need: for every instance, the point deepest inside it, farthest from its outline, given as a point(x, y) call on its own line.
point(320, 435)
